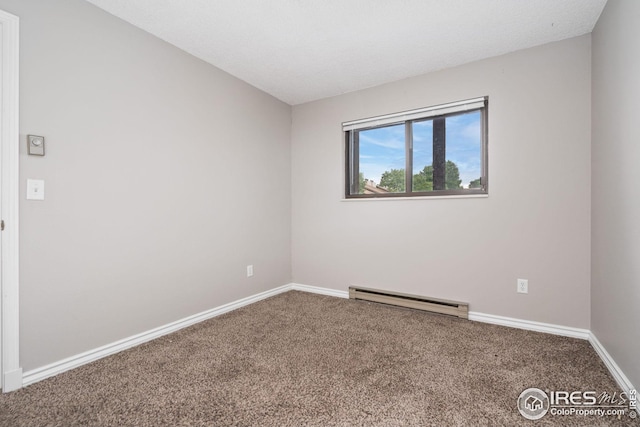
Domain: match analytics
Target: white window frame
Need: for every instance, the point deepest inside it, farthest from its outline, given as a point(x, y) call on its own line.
point(351, 131)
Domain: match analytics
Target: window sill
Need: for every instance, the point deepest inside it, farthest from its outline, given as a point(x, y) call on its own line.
point(386, 199)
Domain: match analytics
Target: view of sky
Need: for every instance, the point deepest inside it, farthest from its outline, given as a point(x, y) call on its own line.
point(383, 149)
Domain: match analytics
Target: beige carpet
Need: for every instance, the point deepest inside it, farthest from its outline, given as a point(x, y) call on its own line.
point(300, 359)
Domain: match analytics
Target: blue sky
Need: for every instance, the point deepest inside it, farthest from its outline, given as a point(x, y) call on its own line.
point(382, 149)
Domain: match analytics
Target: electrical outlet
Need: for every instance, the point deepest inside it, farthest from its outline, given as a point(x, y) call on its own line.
point(523, 286)
point(249, 270)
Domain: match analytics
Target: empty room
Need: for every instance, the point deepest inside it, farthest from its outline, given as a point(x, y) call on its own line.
point(322, 213)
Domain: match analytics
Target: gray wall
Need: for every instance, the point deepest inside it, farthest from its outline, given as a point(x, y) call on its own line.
point(535, 224)
point(164, 178)
point(615, 287)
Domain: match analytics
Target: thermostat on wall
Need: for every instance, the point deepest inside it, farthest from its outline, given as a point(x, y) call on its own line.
point(35, 145)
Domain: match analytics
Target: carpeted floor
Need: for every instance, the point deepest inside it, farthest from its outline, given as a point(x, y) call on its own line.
point(300, 359)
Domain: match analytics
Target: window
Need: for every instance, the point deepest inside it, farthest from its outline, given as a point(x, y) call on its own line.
point(434, 151)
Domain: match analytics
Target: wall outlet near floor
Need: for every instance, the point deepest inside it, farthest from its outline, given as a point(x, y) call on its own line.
point(523, 286)
point(249, 270)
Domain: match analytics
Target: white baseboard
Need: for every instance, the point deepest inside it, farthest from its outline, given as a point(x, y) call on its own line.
point(15, 379)
point(56, 368)
point(12, 380)
point(529, 325)
point(623, 382)
point(318, 290)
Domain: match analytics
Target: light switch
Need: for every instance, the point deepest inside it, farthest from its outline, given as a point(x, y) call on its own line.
point(35, 189)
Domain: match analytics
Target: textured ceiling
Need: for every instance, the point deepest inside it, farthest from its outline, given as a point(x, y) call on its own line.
point(303, 50)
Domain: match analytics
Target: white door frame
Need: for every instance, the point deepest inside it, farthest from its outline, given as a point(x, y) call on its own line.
point(10, 371)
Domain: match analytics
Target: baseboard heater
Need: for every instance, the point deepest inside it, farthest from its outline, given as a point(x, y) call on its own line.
point(452, 308)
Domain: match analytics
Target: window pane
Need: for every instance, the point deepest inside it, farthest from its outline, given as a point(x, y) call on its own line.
point(422, 155)
point(464, 150)
point(441, 154)
point(382, 160)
